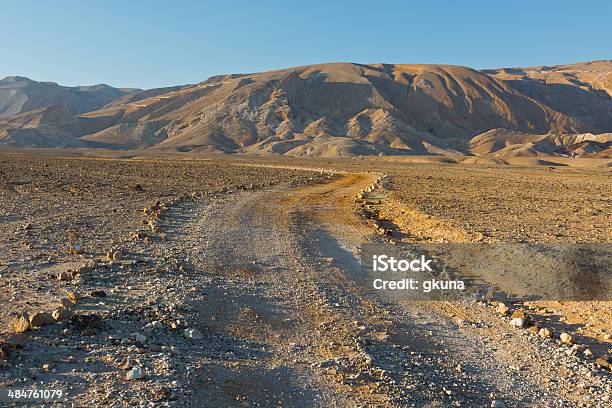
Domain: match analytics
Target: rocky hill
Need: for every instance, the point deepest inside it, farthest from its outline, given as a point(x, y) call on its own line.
point(349, 109)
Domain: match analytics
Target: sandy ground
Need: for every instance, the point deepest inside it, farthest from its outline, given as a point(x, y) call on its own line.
point(261, 259)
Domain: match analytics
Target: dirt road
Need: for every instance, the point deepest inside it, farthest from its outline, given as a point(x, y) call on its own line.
point(288, 279)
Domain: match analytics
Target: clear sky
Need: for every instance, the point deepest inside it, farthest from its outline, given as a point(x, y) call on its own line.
point(147, 44)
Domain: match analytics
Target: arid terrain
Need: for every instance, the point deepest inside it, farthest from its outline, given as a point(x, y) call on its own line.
point(183, 280)
point(309, 204)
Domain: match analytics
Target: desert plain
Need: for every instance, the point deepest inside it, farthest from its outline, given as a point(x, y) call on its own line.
point(217, 280)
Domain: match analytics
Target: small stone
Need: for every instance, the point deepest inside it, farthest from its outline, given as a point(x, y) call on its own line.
point(64, 276)
point(124, 364)
point(67, 303)
point(76, 249)
point(534, 329)
point(545, 333)
point(588, 353)
point(193, 334)
point(97, 293)
point(140, 338)
point(73, 297)
point(40, 319)
point(520, 314)
point(502, 309)
point(21, 323)
point(117, 255)
point(136, 373)
point(498, 404)
point(604, 362)
point(566, 338)
point(607, 336)
point(139, 235)
point(517, 322)
point(4, 353)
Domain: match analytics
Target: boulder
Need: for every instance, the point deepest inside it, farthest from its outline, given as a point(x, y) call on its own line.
point(138, 235)
point(40, 319)
point(21, 323)
point(534, 329)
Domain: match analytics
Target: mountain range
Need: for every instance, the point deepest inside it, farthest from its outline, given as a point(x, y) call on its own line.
point(326, 110)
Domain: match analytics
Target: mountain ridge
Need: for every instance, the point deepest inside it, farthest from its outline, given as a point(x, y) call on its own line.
point(354, 109)
point(20, 94)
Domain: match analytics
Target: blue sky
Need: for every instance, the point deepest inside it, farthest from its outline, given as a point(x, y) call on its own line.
point(159, 43)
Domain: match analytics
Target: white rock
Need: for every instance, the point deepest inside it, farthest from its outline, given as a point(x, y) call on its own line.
point(566, 338)
point(136, 373)
point(517, 322)
point(545, 333)
point(193, 334)
point(498, 404)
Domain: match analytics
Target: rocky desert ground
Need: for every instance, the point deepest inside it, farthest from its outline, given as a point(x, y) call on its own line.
point(235, 281)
